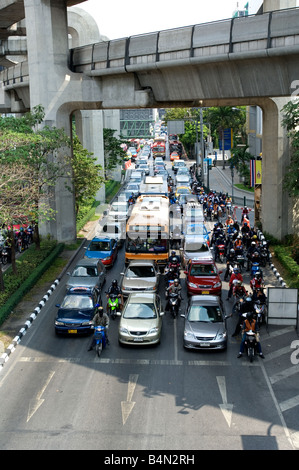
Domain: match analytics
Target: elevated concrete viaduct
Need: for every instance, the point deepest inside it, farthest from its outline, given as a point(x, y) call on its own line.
point(244, 61)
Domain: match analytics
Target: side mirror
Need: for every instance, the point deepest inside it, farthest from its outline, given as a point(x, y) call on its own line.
point(162, 313)
point(68, 273)
point(57, 305)
point(183, 315)
point(185, 272)
point(118, 314)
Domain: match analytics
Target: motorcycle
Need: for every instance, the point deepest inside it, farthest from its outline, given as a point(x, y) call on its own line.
point(250, 344)
point(100, 339)
point(260, 312)
point(221, 251)
point(174, 304)
point(4, 255)
point(113, 305)
point(255, 267)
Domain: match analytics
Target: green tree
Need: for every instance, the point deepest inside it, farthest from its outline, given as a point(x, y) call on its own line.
point(88, 176)
point(113, 152)
point(225, 117)
point(291, 123)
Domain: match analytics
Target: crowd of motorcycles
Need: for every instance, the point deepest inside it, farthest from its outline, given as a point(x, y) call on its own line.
point(23, 237)
point(237, 246)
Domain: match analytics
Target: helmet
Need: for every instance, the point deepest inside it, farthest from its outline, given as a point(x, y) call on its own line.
point(239, 283)
point(173, 253)
point(236, 271)
point(100, 310)
point(249, 316)
point(248, 299)
point(174, 259)
point(232, 251)
point(114, 283)
point(253, 243)
point(176, 281)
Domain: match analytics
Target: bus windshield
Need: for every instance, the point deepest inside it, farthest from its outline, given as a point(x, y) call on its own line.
point(146, 245)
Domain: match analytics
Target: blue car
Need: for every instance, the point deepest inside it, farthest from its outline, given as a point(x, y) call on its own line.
point(104, 249)
point(76, 311)
point(198, 229)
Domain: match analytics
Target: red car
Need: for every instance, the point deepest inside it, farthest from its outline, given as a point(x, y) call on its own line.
point(203, 277)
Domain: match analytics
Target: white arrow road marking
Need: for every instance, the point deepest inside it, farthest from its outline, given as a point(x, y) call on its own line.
point(38, 401)
point(127, 406)
point(225, 407)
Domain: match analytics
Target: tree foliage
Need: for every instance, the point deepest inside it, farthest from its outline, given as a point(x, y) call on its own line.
point(291, 123)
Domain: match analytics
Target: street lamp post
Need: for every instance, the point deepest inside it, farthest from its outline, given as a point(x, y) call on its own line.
point(232, 173)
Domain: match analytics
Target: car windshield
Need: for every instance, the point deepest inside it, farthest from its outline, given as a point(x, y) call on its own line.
point(99, 246)
point(85, 271)
point(119, 206)
point(142, 311)
point(203, 270)
point(140, 271)
point(196, 247)
point(207, 314)
point(196, 229)
point(77, 302)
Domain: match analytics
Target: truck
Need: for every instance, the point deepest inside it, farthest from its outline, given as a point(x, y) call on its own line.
point(159, 149)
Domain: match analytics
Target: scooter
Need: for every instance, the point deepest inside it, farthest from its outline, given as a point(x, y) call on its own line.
point(4, 255)
point(259, 312)
point(250, 344)
point(221, 251)
point(100, 339)
point(174, 304)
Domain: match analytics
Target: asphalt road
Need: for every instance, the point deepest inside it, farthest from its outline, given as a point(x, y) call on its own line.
point(56, 395)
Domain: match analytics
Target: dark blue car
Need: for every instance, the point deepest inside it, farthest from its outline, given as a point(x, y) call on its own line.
point(76, 311)
point(104, 249)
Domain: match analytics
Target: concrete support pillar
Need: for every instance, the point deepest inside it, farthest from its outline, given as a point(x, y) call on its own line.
point(47, 42)
point(277, 207)
point(89, 128)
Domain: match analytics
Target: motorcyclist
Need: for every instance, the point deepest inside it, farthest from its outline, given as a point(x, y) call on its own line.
point(251, 250)
point(230, 259)
point(246, 307)
point(220, 240)
point(236, 275)
point(115, 289)
point(131, 199)
point(259, 295)
point(257, 281)
point(174, 259)
point(100, 319)
point(174, 288)
point(239, 290)
point(249, 324)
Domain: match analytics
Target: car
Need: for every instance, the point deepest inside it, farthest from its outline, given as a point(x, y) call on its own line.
point(177, 164)
point(205, 323)
point(145, 168)
point(136, 177)
point(75, 313)
point(182, 190)
point(113, 229)
point(203, 277)
point(132, 188)
point(133, 152)
point(183, 170)
point(183, 179)
point(103, 248)
point(140, 275)
point(194, 247)
point(197, 229)
point(141, 161)
point(141, 320)
point(87, 273)
point(119, 209)
point(174, 156)
point(162, 172)
point(193, 213)
point(159, 161)
point(183, 199)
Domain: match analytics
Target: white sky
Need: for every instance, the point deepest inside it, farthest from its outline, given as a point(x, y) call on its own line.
point(122, 18)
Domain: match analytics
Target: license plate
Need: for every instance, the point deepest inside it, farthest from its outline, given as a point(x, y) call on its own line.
point(205, 291)
point(139, 340)
point(204, 345)
point(72, 331)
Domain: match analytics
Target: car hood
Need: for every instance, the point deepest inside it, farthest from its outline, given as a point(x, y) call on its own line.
point(66, 314)
point(204, 281)
point(139, 283)
point(83, 281)
point(205, 329)
point(137, 324)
